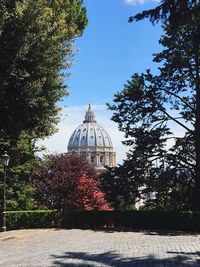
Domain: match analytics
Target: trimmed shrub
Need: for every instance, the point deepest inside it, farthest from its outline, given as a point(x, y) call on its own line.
point(87, 219)
point(143, 220)
point(32, 219)
point(149, 220)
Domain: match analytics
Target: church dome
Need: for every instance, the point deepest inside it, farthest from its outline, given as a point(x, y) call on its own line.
point(92, 141)
point(89, 134)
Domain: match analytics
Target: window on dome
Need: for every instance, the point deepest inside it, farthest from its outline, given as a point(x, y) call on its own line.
point(101, 159)
point(92, 159)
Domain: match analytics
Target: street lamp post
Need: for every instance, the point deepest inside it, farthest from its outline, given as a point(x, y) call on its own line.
point(5, 158)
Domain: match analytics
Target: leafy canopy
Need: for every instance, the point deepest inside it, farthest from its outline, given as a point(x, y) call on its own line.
point(36, 50)
point(150, 106)
point(35, 47)
point(68, 182)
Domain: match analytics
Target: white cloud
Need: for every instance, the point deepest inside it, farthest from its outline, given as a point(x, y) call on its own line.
point(134, 2)
point(140, 2)
point(72, 117)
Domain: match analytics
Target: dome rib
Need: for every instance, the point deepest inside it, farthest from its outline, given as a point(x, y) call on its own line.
point(95, 137)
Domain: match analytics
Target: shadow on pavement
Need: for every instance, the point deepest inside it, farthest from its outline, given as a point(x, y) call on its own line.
point(74, 259)
point(146, 232)
point(169, 233)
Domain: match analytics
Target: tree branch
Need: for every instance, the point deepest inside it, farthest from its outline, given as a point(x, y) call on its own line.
point(176, 121)
point(180, 98)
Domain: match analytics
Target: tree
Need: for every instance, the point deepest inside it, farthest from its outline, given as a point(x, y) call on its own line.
point(68, 182)
point(20, 193)
point(172, 11)
point(149, 104)
point(119, 187)
point(35, 49)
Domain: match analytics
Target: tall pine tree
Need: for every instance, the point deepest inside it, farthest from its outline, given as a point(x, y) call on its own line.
point(149, 104)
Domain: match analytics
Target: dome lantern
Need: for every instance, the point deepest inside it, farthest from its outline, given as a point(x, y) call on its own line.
point(89, 116)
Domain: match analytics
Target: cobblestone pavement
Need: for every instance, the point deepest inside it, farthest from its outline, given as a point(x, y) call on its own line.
point(51, 247)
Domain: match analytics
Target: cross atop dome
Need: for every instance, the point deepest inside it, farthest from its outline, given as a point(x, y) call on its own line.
point(89, 116)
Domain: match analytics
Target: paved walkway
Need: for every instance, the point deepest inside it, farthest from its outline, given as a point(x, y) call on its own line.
point(50, 247)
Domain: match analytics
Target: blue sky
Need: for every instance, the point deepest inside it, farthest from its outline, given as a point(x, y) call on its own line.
point(111, 50)
point(108, 53)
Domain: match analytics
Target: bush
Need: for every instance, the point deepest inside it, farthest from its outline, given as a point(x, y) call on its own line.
point(143, 220)
point(149, 220)
point(31, 219)
point(87, 219)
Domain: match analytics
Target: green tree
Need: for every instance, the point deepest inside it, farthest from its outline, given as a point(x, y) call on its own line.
point(36, 50)
point(150, 105)
point(141, 115)
point(119, 187)
point(172, 11)
point(20, 192)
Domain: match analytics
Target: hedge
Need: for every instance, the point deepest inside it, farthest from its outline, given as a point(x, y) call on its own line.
point(31, 219)
point(152, 220)
point(144, 220)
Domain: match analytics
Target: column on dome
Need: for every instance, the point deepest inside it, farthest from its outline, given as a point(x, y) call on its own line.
point(97, 159)
point(114, 157)
point(98, 156)
point(104, 158)
point(107, 159)
point(110, 159)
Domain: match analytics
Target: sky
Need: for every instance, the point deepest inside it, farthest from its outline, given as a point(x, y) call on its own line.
point(111, 50)
point(108, 53)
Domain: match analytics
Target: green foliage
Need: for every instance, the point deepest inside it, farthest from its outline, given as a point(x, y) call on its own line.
point(172, 11)
point(20, 193)
point(35, 47)
point(149, 106)
point(21, 199)
point(36, 50)
point(143, 219)
point(147, 219)
point(31, 219)
point(119, 189)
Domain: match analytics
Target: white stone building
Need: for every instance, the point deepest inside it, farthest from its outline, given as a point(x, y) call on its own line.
point(91, 140)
